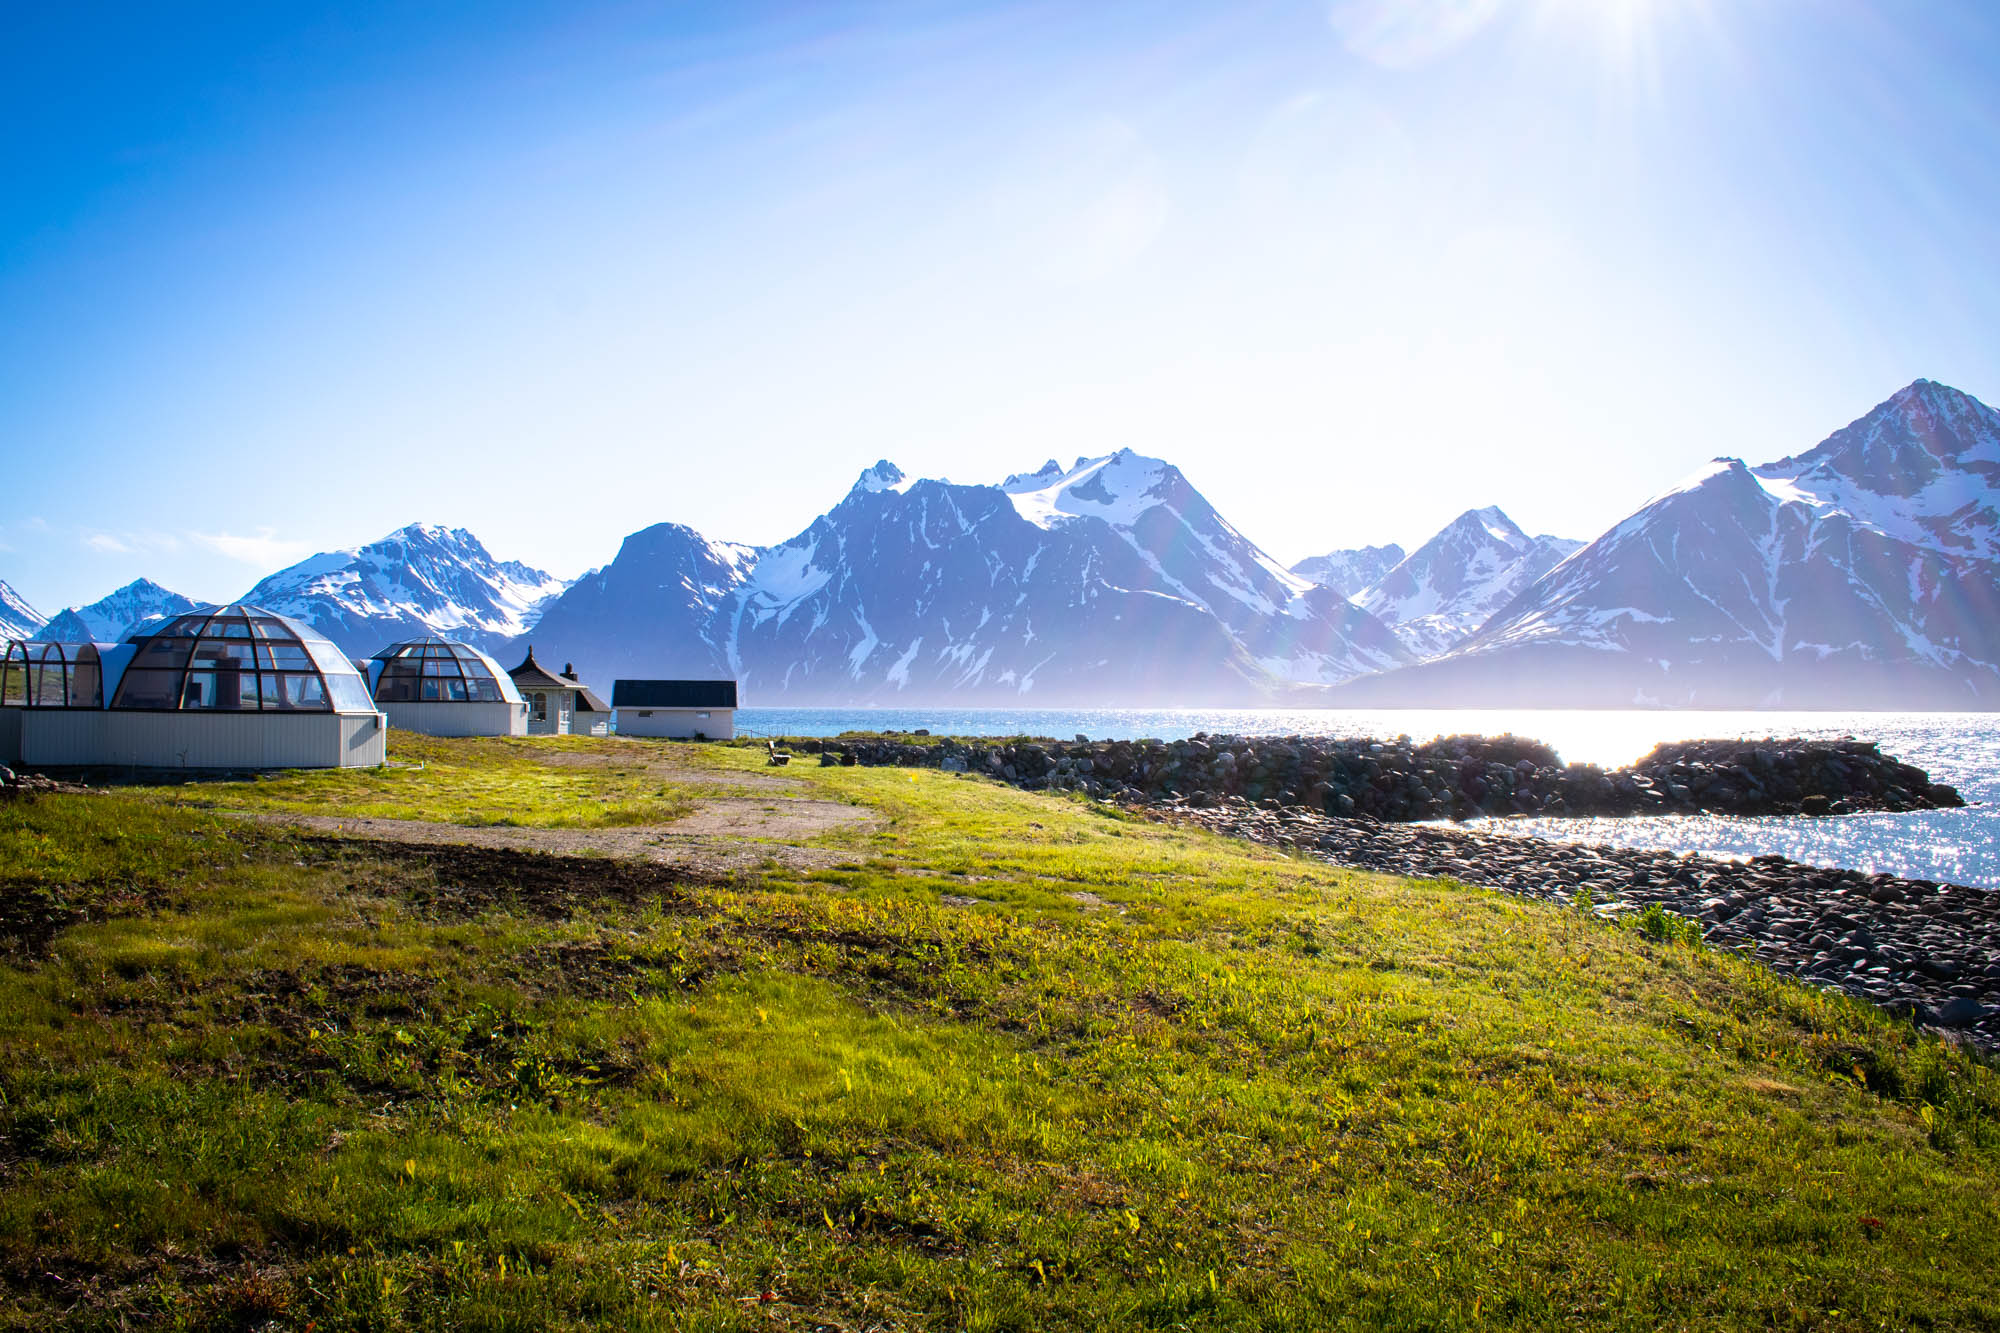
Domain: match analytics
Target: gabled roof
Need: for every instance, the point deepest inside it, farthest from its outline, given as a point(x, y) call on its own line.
point(673, 694)
point(586, 698)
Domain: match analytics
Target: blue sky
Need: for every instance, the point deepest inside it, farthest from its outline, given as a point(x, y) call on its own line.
point(275, 279)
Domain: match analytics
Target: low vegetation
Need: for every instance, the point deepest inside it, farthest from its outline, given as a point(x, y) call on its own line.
point(548, 782)
point(1010, 1060)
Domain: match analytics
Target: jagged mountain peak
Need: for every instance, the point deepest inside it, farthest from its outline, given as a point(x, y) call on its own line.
point(1117, 487)
point(1488, 524)
point(1918, 429)
point(1443, 591)
point(1922, 466)
point(884, 476)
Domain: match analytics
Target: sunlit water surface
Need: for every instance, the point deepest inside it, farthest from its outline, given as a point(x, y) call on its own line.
point(1963, 749)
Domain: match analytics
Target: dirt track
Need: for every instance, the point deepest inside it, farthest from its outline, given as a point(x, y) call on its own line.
point(725, 834)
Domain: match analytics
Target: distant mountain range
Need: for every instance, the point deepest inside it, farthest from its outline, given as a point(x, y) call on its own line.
point(107, 619)
point(1862, 573)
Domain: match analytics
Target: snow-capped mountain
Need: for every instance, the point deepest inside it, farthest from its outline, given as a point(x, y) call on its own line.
point(1449, 586)
point(1351, 570)
point(422, 579)
point(108, 619)
point(18, 620)
point(652, 612)
point(1864, 573)
point(1111, 580)
point(1293, 628)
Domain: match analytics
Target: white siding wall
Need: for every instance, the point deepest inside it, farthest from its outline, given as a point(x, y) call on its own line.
point(89, 737)
point(556, 723)
point(718, 724)
point(459, 719)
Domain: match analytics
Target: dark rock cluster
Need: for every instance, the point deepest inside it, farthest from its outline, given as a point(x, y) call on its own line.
point(1456, 777)
point(1927, 951)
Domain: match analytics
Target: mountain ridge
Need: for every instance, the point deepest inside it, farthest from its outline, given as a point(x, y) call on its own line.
point(1855, 574)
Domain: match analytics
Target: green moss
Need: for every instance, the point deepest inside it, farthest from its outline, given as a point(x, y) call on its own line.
point(1147, 1078)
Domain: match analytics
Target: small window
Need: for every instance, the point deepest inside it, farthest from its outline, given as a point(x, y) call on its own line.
point(701, 717)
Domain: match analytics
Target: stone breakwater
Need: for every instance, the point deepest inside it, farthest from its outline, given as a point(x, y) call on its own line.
point(1926, 951)
point(1457, 777)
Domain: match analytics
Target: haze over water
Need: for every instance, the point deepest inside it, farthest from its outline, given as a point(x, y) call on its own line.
point(1963, 749)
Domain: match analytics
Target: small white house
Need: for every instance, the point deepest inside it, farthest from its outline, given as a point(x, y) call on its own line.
point(676, 709)
point(559, 704)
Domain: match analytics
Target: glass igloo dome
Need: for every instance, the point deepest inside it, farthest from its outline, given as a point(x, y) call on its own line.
point(238, 658)
point(438, 671)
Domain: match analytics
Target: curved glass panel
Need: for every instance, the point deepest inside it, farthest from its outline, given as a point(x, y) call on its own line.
point(232, 659)
point(438, 671)
point(50, 675)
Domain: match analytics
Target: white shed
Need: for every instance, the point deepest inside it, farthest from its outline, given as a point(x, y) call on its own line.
point(675, 709)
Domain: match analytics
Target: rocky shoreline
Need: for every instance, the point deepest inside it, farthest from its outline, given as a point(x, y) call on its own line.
point(1455, 777)
point(1923, 950)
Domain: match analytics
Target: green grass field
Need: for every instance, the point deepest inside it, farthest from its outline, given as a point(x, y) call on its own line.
point(1148, 1078)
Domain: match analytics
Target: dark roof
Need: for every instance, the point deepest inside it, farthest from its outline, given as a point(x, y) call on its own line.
point(532, 675)
point(587, 700)
point(673, 694)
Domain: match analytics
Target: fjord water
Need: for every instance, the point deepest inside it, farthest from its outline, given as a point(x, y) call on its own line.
point(1963, 749)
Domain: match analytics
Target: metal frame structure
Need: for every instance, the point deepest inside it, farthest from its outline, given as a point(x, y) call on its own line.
point(38, 674)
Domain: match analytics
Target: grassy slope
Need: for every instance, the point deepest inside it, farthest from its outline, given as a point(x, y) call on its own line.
point(256, 1080)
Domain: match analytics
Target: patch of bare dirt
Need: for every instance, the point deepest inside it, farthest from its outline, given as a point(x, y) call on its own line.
point(668, 764)
point(725, 835)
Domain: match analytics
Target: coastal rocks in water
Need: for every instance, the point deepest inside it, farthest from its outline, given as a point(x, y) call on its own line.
point(1456, 777)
